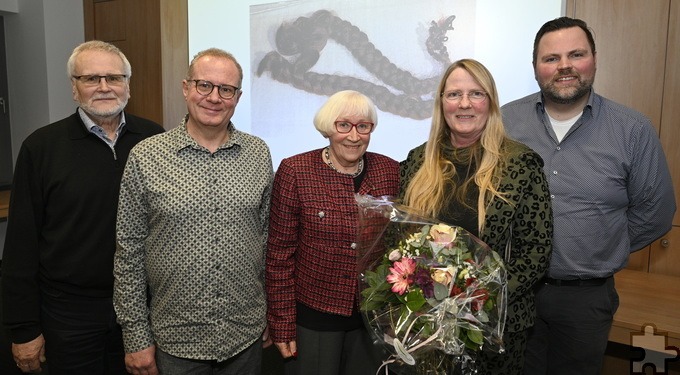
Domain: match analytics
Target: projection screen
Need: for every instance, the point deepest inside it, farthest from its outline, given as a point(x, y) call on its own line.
point(297, 53)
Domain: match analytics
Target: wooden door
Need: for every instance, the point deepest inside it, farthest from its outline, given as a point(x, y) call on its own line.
point(134, 27)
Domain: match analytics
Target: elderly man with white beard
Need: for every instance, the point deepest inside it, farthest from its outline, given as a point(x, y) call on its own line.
point(57, 266)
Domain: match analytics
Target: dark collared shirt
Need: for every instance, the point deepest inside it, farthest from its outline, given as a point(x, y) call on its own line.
point(609, 182)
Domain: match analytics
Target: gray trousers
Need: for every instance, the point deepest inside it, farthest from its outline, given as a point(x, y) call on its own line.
point(247, 362)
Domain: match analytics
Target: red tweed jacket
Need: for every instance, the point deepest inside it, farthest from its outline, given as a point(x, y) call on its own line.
point(311, 254)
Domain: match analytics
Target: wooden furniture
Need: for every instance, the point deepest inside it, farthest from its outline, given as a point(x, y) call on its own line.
point(4, 204)
point(646, 298)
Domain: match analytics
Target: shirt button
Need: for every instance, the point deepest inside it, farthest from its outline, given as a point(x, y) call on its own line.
point(552, 196)
point(554, 172)
point(321, 214)
point(558, 148)
point(353, 245)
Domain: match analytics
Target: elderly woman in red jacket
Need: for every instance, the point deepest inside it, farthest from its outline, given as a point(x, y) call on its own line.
point(311, 271)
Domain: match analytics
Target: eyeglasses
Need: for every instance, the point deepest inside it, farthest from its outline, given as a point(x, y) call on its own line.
point(456, 96)
point(205, 88)
point(94, 80)
point(345, 127)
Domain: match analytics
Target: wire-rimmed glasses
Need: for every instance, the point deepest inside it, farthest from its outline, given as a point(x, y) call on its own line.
point(94, 79)
point(455, 96)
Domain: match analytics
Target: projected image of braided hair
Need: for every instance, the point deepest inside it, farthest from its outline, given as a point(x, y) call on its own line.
point(393, 52)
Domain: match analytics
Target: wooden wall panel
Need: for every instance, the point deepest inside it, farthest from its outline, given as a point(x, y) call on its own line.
point(639, 260)
point(664, 256)
point(630, 38)
point(175, 55)
point(670, 116)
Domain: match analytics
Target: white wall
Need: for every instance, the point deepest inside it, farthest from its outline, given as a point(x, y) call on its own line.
point(9, 6)
point(39, 39)
point(40, 35)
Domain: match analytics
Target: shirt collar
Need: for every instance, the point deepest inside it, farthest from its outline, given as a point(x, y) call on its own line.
point(182, 139)
point(89, 124)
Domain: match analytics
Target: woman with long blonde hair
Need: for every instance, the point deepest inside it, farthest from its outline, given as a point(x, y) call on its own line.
point(471, 175)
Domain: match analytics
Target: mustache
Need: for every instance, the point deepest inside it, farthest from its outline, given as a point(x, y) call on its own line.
point(566, 73)
point(99, 97)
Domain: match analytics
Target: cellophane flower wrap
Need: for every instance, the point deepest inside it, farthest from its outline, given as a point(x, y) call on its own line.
point(432, 293)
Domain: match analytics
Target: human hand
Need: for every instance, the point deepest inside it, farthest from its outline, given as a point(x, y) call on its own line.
point(266, 339)
point(287, 349)
point(142, 362)
point(30, 355)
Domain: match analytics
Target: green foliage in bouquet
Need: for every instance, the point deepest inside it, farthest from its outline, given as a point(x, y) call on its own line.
point(431, 292)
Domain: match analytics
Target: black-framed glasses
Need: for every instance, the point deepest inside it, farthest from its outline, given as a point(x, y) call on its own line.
point(455, 96)
point(205, 88)
point(94, 79)
point(346, 127)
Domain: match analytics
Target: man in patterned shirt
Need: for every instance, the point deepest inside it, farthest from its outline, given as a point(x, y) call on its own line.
point(192, 230)
point(611, 193)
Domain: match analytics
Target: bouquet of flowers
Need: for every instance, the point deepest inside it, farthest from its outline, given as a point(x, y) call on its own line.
point(431, 292)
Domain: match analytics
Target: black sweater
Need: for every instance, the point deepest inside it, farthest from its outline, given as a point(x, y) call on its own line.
point(62, 217)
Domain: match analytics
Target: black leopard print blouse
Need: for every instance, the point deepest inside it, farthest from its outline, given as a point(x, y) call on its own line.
point(531, 217)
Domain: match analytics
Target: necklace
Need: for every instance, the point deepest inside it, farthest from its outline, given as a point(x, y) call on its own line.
point(327, 154)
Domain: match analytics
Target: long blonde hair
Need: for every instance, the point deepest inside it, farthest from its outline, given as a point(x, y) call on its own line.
point(427, 191)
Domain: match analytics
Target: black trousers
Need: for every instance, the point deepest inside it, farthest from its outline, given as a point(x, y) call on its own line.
point(571, 330)
point(81, 335)
point(334, 353)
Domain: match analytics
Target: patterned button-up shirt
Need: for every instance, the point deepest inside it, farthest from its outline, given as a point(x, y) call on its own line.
point(192, 225)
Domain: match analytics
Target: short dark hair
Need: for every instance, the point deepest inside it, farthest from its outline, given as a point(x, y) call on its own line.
point(559, 24)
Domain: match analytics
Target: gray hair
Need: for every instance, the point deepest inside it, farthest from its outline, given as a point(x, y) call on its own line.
point(344, 103)
point(96, 45)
